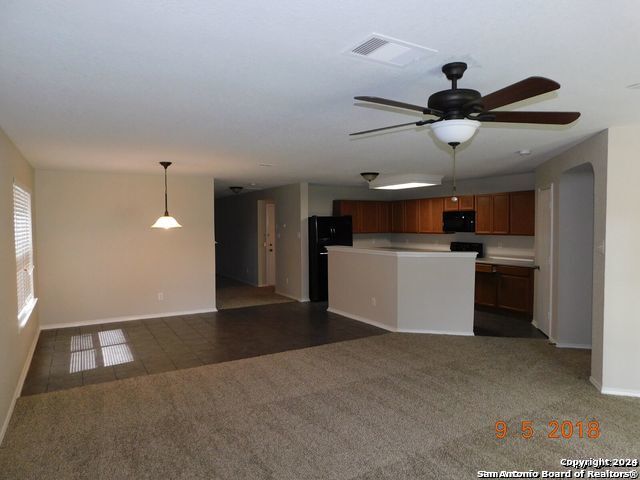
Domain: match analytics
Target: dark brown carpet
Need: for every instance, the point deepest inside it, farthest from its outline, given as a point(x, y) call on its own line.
point(395, 406)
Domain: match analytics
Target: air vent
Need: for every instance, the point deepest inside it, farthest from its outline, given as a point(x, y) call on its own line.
point(390, 51)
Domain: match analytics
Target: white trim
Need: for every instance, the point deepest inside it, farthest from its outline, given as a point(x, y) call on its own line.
point(623, 392)
point(288, 295)
point(392, 329)
point(21, 379)
point(127, 318)
point(573, 345)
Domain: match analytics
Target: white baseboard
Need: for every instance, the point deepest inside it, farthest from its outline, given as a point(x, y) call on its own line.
point(21, 379)
point(127, 318)
point(573, 345)
point(394, 329)
point(293, 297)
point(596, 383)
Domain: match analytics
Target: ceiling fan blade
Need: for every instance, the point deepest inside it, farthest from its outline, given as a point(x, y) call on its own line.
point(418, 124)
point(527, 88)
point(394, 103)
point(549, 118)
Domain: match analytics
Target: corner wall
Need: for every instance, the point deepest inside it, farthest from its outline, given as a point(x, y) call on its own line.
point(16, 344)
point(592, 151)
point(621, 336)
point(100, 260)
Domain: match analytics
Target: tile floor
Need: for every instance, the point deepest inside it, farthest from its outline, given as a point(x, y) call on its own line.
point(498, 324)
point(71, 357)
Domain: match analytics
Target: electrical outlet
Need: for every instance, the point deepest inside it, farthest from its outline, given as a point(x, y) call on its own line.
point(374, 302)
point(286, 280)
point(160, 296)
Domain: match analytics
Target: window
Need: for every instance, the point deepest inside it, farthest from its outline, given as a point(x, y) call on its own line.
point(24, 252)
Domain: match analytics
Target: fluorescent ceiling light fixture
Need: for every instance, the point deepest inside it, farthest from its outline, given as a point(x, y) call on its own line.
point(408, 180)
point(455, 131)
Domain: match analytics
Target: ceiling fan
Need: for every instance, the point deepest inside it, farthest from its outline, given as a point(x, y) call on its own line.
point(459, 111)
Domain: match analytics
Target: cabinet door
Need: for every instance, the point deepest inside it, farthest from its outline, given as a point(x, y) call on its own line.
point(437, 207)
point(486, 289)
point(368, 213)
point(425, 224)
point(397, 217)
point(384, 217)
point(500, 218)
point(411, 214)
point(465, 203)
point(484, 213)
point(348, 208)
point(515, 293)
point(450, 205)
point(522, 213)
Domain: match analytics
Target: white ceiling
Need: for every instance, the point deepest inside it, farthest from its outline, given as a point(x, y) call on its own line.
point(220, 87)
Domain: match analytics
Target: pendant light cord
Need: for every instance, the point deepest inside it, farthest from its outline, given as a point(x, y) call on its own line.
point(453, 146)
point(166, 207)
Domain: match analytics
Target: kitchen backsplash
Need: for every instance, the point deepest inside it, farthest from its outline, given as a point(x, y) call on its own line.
point(494, 245)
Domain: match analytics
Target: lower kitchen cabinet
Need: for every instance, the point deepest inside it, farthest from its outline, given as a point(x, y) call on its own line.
point(505, 287)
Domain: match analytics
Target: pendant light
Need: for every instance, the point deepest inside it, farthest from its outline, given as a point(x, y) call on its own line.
point(166, 221)
point(454, 193)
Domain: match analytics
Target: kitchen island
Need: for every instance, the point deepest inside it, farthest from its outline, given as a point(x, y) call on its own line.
point(404, 290)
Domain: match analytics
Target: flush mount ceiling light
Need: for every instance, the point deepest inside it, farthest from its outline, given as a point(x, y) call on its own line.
point(235, 189)
point(166, 221)
point(409, 180)
point(369, 176)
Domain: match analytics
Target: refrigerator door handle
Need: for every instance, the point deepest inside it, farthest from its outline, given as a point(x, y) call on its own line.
point(324, 253)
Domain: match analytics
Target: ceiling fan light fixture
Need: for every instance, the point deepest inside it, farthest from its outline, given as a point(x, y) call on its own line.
point(404, 181)
point(455, 131)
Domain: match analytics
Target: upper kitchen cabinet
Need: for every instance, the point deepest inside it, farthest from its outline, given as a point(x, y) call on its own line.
point(397, 217)
point(522, 213)
point(411, 216)
point(464, 203)
point(430, 215)
point(492, 213)
point(348, 208)
point(368, 215)
point(384, 217)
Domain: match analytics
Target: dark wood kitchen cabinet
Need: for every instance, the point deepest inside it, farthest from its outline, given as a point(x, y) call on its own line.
point(430, 219)
point(465, 203)
point(369, 216)
point(505, 287)
point(411, 216)
point(492, 214)
point(348, 208)
point(522, 213)
point(384, 217)
point(397, 217)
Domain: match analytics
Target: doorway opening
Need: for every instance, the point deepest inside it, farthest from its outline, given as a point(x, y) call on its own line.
point(246, 249)
point(572, 319)
point(544, 258)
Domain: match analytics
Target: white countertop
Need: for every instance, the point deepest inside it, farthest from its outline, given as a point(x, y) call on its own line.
point(402, 252)
point(508, 261)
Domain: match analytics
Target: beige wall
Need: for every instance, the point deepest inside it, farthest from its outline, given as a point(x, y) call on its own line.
point(592, 151)
point(100, 260)
point(621, 365)
point(15, 342)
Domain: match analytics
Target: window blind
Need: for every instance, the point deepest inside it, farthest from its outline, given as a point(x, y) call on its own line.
point(24, 248)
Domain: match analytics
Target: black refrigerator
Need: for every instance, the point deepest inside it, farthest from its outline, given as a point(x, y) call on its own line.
point(324, 231)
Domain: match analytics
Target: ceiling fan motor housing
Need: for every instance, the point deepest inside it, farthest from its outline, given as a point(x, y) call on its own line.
point(455, 104)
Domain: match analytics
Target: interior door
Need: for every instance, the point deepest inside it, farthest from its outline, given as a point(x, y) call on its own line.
point(270, 244)
point(544, 259)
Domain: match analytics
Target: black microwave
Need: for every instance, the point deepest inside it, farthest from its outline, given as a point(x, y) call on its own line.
point(459, 221)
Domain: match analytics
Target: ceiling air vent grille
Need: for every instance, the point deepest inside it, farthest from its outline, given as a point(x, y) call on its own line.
point(369, 46)
point(390, 51)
